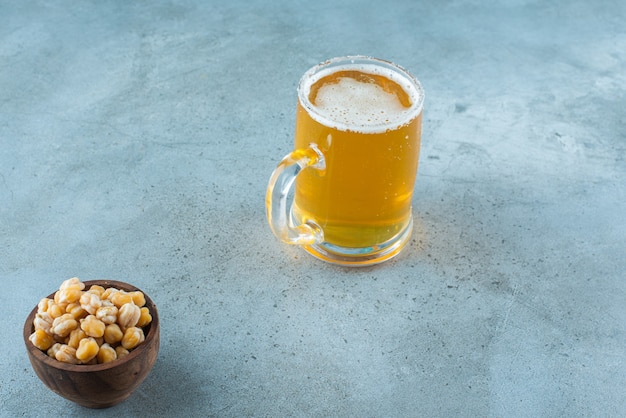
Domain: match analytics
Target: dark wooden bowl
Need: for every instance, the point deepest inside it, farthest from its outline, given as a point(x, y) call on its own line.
point(97, 385)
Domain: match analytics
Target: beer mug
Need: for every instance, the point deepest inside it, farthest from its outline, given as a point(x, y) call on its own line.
point(344, 194)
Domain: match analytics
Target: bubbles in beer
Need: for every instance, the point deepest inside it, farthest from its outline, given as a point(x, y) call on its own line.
point(358, 103)
point(351, 99)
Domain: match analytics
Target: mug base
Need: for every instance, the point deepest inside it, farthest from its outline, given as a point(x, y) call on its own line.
point(361, 257)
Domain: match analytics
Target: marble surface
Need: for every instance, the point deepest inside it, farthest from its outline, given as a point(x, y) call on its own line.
point(136, 141)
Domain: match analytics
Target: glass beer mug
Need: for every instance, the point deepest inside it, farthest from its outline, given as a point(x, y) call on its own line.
point(357, 141)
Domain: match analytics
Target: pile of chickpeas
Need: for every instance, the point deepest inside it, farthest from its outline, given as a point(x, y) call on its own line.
point(90, 326)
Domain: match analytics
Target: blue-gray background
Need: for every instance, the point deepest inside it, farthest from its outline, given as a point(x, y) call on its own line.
point(136, 141)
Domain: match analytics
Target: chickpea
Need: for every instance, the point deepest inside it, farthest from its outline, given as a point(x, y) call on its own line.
point(113, 334)
point(128, 315)
point(52, 351)
point(43, 321)
point(41, 340)
point(139, 298)
point(121, 351)
point(64, 324)
point(70, 293)
point(106, 354)
point(56, 309)
point(43, 305)
point(90, 302)
point(133, 336)
point(121, 298)
point(93, 326)
point(87, 349)
point(144, 318)
point(96, 289)
point(66, 354)
point(76, 336)
point(107, 314)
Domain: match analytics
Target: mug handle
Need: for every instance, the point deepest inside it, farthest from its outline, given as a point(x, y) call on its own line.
point(276, 198)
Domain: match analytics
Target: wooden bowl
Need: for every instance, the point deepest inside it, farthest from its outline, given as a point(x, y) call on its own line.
point(97, 385)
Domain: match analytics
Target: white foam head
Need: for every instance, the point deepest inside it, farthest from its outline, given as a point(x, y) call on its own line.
point(351, 105)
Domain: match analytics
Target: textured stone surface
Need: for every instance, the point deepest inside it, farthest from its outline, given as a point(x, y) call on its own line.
point(136, 141)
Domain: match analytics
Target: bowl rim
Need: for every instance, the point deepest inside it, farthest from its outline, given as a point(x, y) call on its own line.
point(42, 357)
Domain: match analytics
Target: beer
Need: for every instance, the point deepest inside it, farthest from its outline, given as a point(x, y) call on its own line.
point(366, 121)
point(353, 167)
